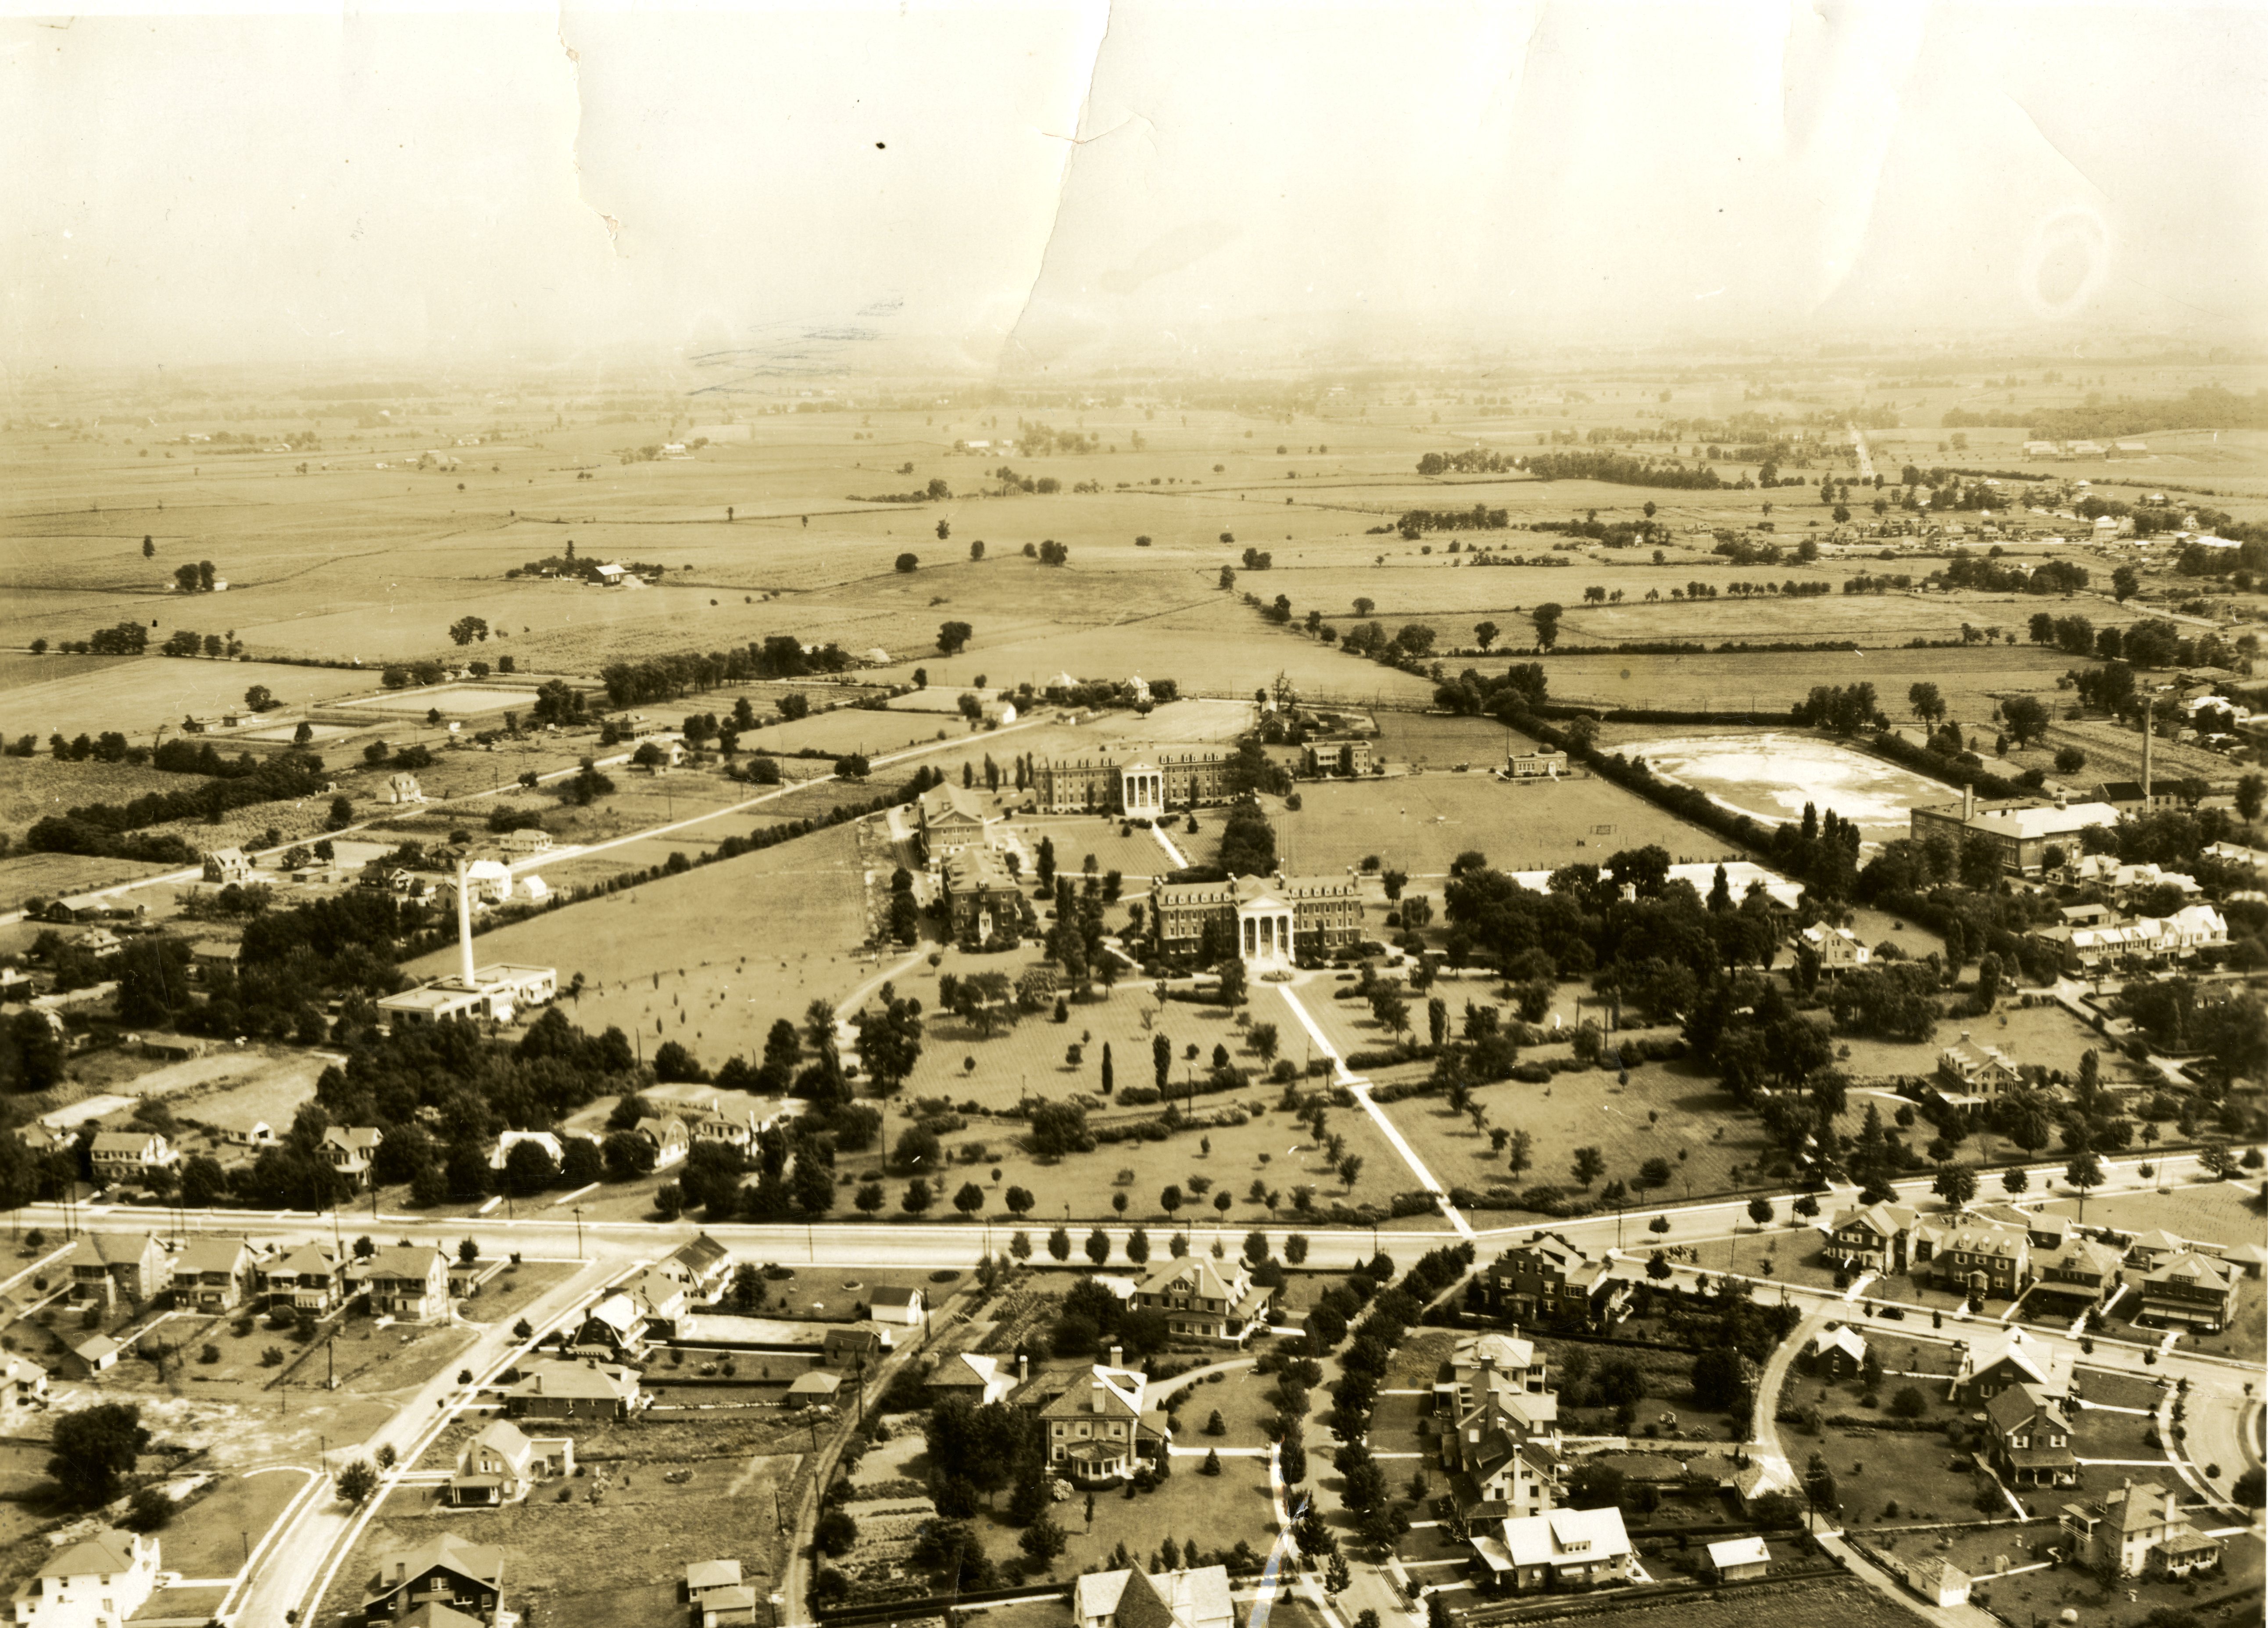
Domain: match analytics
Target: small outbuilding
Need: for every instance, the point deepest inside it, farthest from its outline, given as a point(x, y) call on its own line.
point(1737, 1559)
point(1938, 1581)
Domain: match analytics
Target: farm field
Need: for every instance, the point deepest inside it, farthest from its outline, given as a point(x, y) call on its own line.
point(139, 697)
point(1879, 622)
point(1971, 680)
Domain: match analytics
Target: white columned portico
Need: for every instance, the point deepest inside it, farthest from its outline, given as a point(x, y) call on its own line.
point(1264, 932)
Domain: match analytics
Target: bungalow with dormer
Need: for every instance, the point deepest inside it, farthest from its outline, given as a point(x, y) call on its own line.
point(501, 1465)
point(444, 1571)
point(1837, 1353)
point(1565, 1549)
point(585, 1390)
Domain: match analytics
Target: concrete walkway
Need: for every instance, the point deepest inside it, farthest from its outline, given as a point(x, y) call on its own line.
point(1894, 1588)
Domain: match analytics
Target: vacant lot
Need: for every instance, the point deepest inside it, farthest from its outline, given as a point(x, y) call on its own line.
point(1845, 1603)
point(1419, 823)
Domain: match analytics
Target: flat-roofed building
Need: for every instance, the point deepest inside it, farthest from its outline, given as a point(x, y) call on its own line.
point(2021, 832)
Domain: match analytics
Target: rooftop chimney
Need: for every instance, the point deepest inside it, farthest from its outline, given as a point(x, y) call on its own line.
point(1967, 803)
point(1023, 1368)
point(1118, 1356)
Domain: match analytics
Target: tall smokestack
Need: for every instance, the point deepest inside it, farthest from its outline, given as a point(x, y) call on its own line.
point(2149, 729)
point(1967, 803)
point(464, 925)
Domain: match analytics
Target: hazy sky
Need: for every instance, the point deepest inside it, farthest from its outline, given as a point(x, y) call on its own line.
point(779, 187)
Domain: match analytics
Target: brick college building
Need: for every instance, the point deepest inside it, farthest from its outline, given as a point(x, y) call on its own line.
point(1142, 787)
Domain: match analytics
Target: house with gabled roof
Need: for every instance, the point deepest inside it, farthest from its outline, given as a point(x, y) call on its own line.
point(1100, 1425)
point(2031, 1438)
point(1204, 1299)
point(1838, 949)
point(503, 1464)
point(211, 1274)
point(854, 1345)
point(1966, 1069)
point(971, 1377)
point(408, 1282)
point(1564, 1549)
point(23, 1387)
point(952, 820)
point(304, 1278)
point(1838, 1352)
point(1198, 1597)
point(704, 1265)
point(1481, 1366)
point(585, 1390)
point(670, 1139)
point(223, 865)
point(902, 1307)
point(350, 1149)
point(2003, 1361)
point(107, 1267)
point(444, 1571)
point(2081, 1272)
point(98, 1582)
point(1871, 1238)
point(1938, 1581)
point(2139, 1531)
point(1739, 1560)
point(128, 1155)
point(1547, 1278)
point(1502, 1454)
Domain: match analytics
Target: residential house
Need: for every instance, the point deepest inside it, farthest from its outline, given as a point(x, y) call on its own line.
point(1101, 1427)
point(1205, 1299)
point(1760, 1479)
point(2153, 1249)
point(1567, 1549)
point(351, 1150)
point(1966, 1069)
point(585, 1390)
point(2047, 1231)
point(305, 1279)
point(711, 1121)
point(1838, 949)
point(714, 1588)
point(2008, 1359)
point(1875, 1238)
point(402, 788)
point(1739, 1560)
point(1482, 1365)
point(208, 957)
point(1976, 1257)
point(128, 1155)
point(855, 1346)
point(527, 842)
point(1197, 1598)
point(42, 1137)
point(2191, 1289)
point(970, 1377)
point(109, 1267)
point(1502, 1454)
point(1837, 1352)
point(902, 1307)
point(1938, 1581)
point(98, 1582)
point(211, 1274)
point(1348, 757)
point(441, 1570)
point(626, 1320)
point(671, 1143)
point(228, 864)
point(2031, 1438)
point(23, 1387)
point(704, 1266)
point(2139, 1531)
point(502, 1464)
point(1547, 1279)
point(408, 1282)
point(2082, 1272)
point(99, 942)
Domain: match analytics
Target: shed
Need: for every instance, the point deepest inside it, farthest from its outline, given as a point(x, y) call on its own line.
point(97, 1352)
point(1938, 1581)
point(1737, 1558)
point(817, 1386)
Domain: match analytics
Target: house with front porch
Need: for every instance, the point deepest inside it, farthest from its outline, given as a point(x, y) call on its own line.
point(2031, 1438)
point(211, 1274)
point(2006, 1359)
point(1873, 1238)
point(2139, 1531)
point(444, 1570)
point(1100, 1427)
point(501, 1465)
point(350, 1150)
point(1202, 1299)
point(1546, 1278)
point(1564, 1549)
point(408, 1283)
point(2189, 1289)
point(109, 1267)
point(305, 1279)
